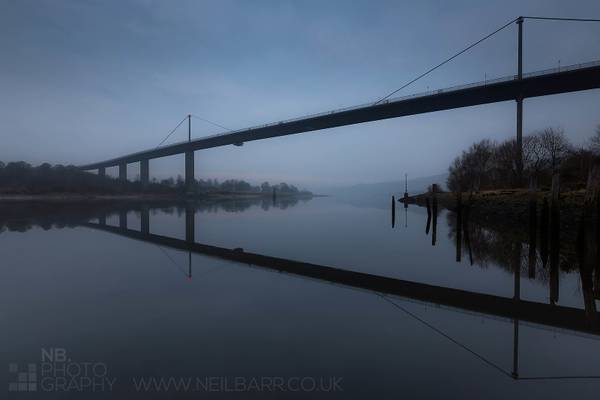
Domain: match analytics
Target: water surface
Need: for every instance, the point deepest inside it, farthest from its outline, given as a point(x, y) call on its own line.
point(84, 279)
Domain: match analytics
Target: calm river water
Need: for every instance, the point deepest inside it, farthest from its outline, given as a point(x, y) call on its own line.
point(254, 299)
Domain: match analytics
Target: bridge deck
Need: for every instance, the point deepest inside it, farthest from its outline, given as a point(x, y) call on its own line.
point(542, 83)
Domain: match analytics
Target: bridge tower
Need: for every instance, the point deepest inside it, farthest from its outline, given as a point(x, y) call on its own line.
point(519, 160)
point(189, 160)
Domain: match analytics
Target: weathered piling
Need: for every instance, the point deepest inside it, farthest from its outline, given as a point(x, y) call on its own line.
point(393, 211)
point(591, 221)
point(428, 204)
point(587, 251)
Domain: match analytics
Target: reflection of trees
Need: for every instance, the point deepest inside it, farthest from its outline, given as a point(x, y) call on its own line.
point(493, 241)
point(20, 217)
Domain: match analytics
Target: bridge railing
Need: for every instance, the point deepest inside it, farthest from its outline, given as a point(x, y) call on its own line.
point(413, 96)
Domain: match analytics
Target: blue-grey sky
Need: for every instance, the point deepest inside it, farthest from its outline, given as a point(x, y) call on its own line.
point(83, 81)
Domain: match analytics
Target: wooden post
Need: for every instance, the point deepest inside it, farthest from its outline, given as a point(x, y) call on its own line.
point(592, 193)
point(393, 211)
point(428, 216)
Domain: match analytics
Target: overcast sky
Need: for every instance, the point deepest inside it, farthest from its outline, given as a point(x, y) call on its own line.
point(83, 81)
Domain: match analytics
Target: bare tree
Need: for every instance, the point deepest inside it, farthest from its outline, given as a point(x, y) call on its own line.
point(555, 146)
point(594, 144)
point(535, 157)
point(504, 160)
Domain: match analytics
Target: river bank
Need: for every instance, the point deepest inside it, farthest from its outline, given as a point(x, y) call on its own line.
point(510, 205)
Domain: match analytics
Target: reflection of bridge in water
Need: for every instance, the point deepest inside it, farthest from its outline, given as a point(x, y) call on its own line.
point(513, 308)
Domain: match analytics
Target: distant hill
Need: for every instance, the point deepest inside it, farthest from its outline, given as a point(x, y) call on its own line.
point(387, 189)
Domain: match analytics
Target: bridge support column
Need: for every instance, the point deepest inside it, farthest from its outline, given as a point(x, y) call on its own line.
point(189, 170)
point(101, 172)
point(145, 220)
point(123, 219)
point(190, 223)
point(144, 173)
point(123, 172)
point(102, 219)
point(519, 142)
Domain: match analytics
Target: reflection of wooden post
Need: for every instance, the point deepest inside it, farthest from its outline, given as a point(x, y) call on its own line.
point(434, 212)
point(554, 237)
point(515, 371)
point(588, 259)
point(554, 263)
point(459, 227)
point(466, 234)
point(189, 223)
point(123, 219)
point(592, 232)
point(145, 220)
point(517, 270)
point(393, 211)
point(545, 215)
point(532, 229)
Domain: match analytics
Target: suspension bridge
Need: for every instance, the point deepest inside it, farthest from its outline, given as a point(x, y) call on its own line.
point(517, 87)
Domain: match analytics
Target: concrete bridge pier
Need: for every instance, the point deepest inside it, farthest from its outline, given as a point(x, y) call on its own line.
point(190, 223)
point(144, 173)
point(145, 220)
point(189, 170)
point(101, 172)
point(123, 172)
point(102, 219)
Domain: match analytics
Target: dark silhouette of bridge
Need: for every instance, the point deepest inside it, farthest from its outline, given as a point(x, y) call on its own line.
point(518, 87)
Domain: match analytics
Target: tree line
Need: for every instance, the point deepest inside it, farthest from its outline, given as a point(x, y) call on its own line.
point(491, 165)
point(23, 178)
